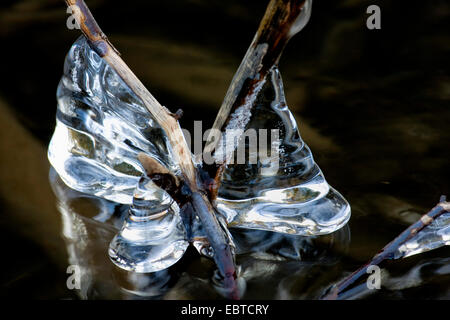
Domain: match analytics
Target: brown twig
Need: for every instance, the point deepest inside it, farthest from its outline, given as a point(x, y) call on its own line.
point(100, 43)
point(282, 20)
point(169, 123)
point(277, 27)
point(389, 250)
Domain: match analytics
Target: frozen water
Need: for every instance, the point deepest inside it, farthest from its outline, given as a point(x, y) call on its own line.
point(435, 235)
point(88, 234)
point(294, 197)
point(101, 126)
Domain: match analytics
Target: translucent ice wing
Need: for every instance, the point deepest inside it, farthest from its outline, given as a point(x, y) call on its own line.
point(101, 126)
point(435, 235)
point(285, 192)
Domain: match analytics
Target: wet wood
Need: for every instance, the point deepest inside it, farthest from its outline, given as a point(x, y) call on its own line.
point(168, 121)
point(274, 32)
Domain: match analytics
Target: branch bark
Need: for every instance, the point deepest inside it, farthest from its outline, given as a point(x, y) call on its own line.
point(280, 23)
point(169, 123)
point(388, 251)
point(167, 120)
point(282, 20)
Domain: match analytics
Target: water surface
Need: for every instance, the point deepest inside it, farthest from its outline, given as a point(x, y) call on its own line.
point(372, 105)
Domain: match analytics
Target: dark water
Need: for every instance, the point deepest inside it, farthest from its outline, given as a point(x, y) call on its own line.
point(372, 105)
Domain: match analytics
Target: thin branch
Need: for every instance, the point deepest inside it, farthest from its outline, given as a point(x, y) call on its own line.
point(389, 250)
point(167, 120)
point(169, 123)
point(272, 35)
point(223, 253)
point(279, 24)
point(282, 20)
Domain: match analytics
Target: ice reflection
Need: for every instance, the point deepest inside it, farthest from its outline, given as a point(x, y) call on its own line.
point(90, 223)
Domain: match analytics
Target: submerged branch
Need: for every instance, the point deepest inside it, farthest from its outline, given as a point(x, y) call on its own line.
point(338, 290)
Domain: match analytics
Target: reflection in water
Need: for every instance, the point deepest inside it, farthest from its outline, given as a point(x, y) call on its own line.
point(356, 94)
point(271, 265)
point(90, 223)
point(426, 274)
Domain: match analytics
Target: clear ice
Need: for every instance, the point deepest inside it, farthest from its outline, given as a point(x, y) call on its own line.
point(87, 234)
point(435, 235)
point(294, 198)
point(101, 126)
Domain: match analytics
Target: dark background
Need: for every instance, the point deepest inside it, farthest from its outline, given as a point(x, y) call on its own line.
point(373, 105)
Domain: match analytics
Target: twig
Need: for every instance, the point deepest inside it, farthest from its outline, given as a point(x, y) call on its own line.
point(282, 20)
point(167, 120)
point(169, 123)
point(279, 24)
point(389, 250)
point(223, 253)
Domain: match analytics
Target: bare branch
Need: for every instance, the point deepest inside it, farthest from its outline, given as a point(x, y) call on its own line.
point(167, 120)
point(282, 20)
point(169, 123)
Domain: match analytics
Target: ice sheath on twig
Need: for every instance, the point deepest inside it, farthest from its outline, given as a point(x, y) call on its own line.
point(388, 252)
point(281, 21)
